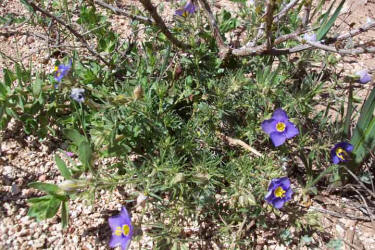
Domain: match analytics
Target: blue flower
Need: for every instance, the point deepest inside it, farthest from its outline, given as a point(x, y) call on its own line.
point(364, 76)
point(62, 70)
point(189, 9)
point(341, 152)
point(122, 229)
point(77, 95)
point(279, 192)
point(310, 37)
point(279, 127)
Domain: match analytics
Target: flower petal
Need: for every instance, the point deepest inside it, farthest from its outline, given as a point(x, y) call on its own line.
point(335, 159)
point(125, 215)
point(278, 203)
point(125, 243)
point(277, 138)
point(190, 7)
point(115, 241)
point(284, 182)
point(364, 76)
point(348, 147)
point(269, 126)
point(288, 194)
point(269, 196)
point(280, 115)
point(179, 12)
point(291, 130)
point(116, 221)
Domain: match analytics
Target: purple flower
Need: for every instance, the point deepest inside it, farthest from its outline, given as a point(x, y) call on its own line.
point(279, 127)
point(341, 152)
point(122, 229)
point(77, 95)
point(189, 9)
point(364, 76)
point(279, 192)
point(310, 37)
point(62, 70)
point(69, 154)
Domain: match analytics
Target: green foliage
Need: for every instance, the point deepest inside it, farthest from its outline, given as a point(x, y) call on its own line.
point(326, 24)
point(165, 140)
point(363, 138)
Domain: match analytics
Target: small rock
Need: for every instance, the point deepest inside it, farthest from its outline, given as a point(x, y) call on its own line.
point(15, 189)
point(43, 177)
point(30, 40)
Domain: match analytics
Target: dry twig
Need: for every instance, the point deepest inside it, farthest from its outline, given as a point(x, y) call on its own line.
point(237, 142)
point(160, 23)
point(223, 49)
point(70, 28)
point(124, 13)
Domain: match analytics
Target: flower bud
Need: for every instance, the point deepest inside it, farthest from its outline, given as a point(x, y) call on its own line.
point(72, 185)
point(138, 92)
point(363, 76)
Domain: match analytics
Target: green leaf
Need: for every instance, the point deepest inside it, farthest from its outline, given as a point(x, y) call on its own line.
point(51, 189)
point(37, 87)
point(53, 207)
point(327, 25)
point(9, 77)
point(39, 206)
point(74, 136)
point(85, 154)
point(3, 91)
point(64, 215)
point(363, 138)
point(62, 167)
point(46, 187)
point(40, 199)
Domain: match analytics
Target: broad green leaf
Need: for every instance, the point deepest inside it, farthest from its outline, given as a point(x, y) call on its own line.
point(85, 153)
point(74, 136)
point(46, 187)
point(62, 167)
point(40, 199)
point(327, 25)
point(51, 189)
point(53, 207)
point(38, 210)
point(37, 87)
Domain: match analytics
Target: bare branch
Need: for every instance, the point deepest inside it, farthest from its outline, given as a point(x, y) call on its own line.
point(215, 29)
point(160, 23)
point(269, 21)
point(124, 13)
point(306, 16)
point(306, 45)
point(237, 142)
point(69, 27)
point(355, 51)
point(355, 32)
point(284, 11)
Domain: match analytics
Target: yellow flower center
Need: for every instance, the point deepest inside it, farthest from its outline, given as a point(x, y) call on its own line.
point(56, 68)
point(185, 13)
point(279, 192)
point(341, 153)
point(280, 126)
point(124, 230)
